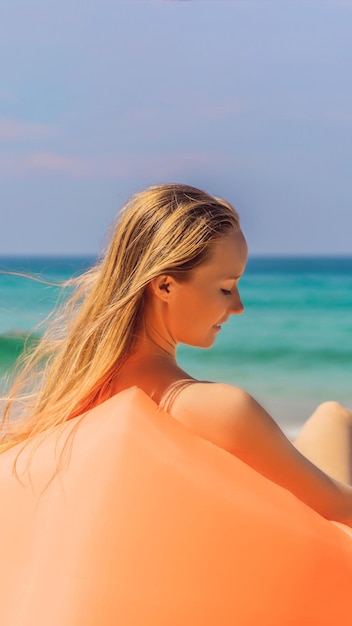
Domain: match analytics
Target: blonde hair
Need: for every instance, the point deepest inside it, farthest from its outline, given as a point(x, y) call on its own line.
point(166, 229)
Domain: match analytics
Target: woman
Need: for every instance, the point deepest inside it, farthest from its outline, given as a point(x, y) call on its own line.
point(170, 276)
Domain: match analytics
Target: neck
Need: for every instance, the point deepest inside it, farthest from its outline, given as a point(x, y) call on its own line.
point(152, 343)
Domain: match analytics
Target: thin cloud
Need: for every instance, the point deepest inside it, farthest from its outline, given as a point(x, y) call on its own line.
point(17, 130)
point(155, 117)
point(61, 164)
point(5, 96)
point(338, 117)
point(169, 165)
point(222, 109)
point(343, 118)
point(164, 165)
point(346, 4)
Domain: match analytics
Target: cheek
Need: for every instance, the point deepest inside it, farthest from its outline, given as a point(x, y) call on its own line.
point(198, 312)
point(185, 317)
point(199, 306)
point(187, 312)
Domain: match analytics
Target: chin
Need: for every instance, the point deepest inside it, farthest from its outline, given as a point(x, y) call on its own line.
point(204, 345)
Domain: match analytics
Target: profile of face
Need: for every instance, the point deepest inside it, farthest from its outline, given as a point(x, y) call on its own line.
point(192, 311)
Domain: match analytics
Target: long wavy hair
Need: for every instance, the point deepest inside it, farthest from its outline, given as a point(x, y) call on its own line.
point(166, 229)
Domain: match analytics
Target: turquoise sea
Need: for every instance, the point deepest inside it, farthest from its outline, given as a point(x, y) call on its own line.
point(291, 349)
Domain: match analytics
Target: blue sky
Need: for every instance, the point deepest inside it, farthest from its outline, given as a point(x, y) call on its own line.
point(251, 100)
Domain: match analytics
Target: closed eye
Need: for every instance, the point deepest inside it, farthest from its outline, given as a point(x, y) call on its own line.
point(226, 292)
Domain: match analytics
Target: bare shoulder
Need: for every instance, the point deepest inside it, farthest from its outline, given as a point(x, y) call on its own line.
point(199, 394)
point(221, 413)
point(232, 419)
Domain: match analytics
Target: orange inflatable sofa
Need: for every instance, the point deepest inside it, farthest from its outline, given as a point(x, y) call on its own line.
point(147, 524)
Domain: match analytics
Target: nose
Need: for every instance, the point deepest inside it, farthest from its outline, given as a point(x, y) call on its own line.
point(236, 306)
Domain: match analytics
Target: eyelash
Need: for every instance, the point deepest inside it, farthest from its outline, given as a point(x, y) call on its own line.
point(226, 292)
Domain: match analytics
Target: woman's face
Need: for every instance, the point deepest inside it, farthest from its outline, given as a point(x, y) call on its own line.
point(198, 307)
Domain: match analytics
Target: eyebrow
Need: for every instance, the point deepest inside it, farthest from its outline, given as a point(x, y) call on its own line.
point(232, 277)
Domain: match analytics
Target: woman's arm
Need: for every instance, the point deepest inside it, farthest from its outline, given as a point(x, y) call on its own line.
point(233, 420)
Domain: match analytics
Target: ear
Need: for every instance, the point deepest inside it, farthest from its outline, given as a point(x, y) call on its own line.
point(161, 287)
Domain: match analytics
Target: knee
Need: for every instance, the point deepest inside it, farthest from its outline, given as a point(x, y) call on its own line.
point(334, 410)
